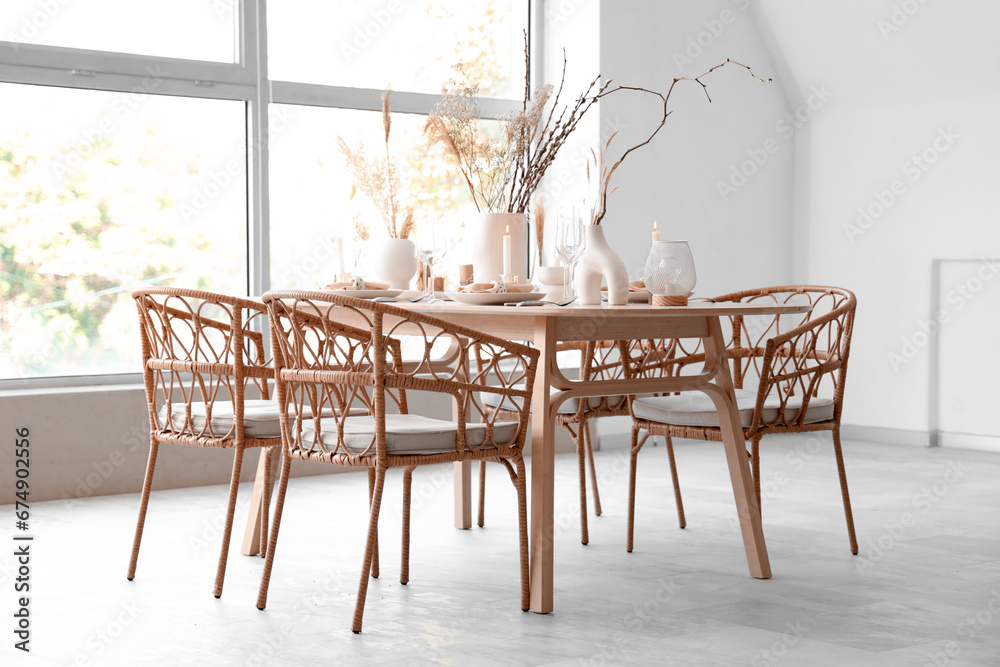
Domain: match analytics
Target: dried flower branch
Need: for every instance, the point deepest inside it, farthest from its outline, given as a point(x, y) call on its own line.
point(539, 216)
point(503, 171)
point(605, 174)
point(378, 178)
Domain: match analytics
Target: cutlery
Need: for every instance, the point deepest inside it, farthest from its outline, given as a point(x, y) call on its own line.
point(564, 302)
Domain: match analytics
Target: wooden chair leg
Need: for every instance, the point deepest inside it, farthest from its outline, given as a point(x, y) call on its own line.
point(234, 487)
point(371, 547)
point(279, 504)
point(593, 470)
point(677, 485)
point(482, 493)
point(522, 519)
point(755, 465)
point(581, 459)
point(844, 492)
point(147, 486)
point(371, 491)
point(634, 451)
point(404, 568)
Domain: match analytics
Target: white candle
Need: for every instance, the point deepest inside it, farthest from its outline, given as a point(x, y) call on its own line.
point(656, 234)
point(506, 254)
point(341, 269)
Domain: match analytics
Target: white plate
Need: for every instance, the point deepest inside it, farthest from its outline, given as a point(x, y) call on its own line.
point(367, 293)
point(493, 299)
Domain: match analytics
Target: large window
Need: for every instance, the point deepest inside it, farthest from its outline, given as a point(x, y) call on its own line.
point(139, 150)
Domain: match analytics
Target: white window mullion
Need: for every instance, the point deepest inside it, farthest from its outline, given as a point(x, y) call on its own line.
point(254, 45)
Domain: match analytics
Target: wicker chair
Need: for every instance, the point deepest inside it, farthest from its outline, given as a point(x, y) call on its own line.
point(332, 352)
point(600, 360)
point(799, 364)
point(200, 354)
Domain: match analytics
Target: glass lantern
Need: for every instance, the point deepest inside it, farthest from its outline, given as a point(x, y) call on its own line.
point(669, 273)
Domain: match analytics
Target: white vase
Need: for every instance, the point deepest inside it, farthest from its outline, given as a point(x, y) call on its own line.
point(552, 282)
point(487, 232)
point(599, 260)
point(396, 262)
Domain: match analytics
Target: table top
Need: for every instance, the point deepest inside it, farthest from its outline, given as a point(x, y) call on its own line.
point(696, 309)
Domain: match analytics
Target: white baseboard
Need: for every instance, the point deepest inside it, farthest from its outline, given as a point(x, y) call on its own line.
point(892, 436)
point(984, 443)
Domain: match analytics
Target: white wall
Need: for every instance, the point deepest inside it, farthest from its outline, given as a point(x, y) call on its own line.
point(740, 235)
point(915, 97)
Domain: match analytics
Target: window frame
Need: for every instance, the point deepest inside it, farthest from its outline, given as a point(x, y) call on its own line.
point(245, 80)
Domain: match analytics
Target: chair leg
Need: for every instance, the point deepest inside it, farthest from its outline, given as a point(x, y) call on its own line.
point(482, 493)
point(522, 519)
point(266, 504)
point(147, 486)
point(371, 491)
point(593, 470)
point(279, 504)
point(370, 548)
point(755, 469)
point(677, 485)
point(634, 451)
point(843, 490)
point(234, 487)
point(404, 568)
point(581, 458)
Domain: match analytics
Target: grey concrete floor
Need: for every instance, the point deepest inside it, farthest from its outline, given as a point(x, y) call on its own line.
point(924, 590)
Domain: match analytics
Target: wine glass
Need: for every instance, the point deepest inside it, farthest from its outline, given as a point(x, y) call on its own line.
point(569, 244)
point(431, 249)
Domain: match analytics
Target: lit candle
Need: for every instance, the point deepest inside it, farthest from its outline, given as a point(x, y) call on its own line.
point(656, 234)
point(506, 254)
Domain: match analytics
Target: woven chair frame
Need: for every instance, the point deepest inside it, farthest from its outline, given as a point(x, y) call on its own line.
point(333, 353)
point(201, 350)
point(789, 356)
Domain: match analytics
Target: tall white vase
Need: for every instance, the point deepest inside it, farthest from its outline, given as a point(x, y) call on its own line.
point(600, 260)
point(487, 234)
point(396, 262)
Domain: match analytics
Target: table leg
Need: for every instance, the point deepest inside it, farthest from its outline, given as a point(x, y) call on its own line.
point(723, 395)
point(542, 470)
point(255, 521)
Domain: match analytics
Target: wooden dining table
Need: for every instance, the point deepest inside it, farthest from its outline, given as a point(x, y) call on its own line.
point(544, 327)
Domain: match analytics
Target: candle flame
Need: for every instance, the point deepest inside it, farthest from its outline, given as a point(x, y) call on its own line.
point(654, 225)
point(507, 231)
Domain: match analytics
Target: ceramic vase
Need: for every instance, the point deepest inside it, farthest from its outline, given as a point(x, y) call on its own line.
point(396, 262)
point(599, 260)
point(487, 232)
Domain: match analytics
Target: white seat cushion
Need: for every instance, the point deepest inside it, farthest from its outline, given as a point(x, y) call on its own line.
point(261, 418)
point(405, 434)
point(695, 408)
point(569, 406)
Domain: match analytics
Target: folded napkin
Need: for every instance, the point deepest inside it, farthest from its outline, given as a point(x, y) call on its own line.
point(357, 284)
point(633, 286)
point(495, 288)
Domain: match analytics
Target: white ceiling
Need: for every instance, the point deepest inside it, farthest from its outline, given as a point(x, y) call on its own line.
point(884, 52)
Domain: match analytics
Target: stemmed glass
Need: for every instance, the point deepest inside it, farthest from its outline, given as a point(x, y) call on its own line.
point(570, 243)
point(431, 249)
